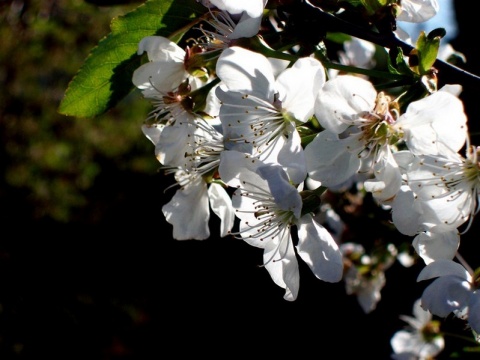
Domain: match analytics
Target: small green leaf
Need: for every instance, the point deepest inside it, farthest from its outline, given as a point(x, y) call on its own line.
point(105, 78)
point(427, 47)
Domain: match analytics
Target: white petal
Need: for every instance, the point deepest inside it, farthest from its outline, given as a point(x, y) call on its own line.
point(341, 100)
point(445, 295)
point(454, 89)
point(387, 179)
point(246, 27)
point(286, 196)
point(420, 314)
point(291, 156)
point(155, 77)
point(174, 142)
point(236, 167)
point(434, 124)
point(417, 11)
point(188, 211)
point(474, 311)
point(329, 160)
point(234, 121)
point(369, 294)
point(432, 348)
point(278, 65)
point(221, 204)
point(405, 214)
point(449, 212)
point(165, 71)
point(318, 250)
point(281, 263)
point(434, 246)
point(246, 71)
point(212, 107)
point(152, 132)
point(443, 267)
point(252, 7)
point(426, 173)
point(159, 48)
point(402, 342)
point(298, 87)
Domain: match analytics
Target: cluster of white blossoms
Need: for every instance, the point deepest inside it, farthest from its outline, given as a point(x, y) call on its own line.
point(260, 140)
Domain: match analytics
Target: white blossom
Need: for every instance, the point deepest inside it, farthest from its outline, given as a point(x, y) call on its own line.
point(417, 10)
point(165, 70)
point(447, 186)
point(453, 291)
point(361, 126)
point(259, 112)
point(248, 13)
point(189, 209)
point(268, 206)
point(421, 340)
point(365, 274)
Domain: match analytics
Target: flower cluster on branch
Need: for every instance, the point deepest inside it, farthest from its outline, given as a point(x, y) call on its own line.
point(283, 117)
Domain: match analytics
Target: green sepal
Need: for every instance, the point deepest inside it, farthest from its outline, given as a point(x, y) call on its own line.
point(372, 6)
point(307, 134)
point(397, 64)
point(415, 92)
point(338, 37)
point(105, 78)
point(199, 96)
point(311, 199)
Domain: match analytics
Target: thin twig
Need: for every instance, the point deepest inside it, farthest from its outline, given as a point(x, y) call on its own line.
point(387, 40)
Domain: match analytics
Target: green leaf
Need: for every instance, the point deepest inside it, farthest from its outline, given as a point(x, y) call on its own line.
point(427, 47)
point(105, 78)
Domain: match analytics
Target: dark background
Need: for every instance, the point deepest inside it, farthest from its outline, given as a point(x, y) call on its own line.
point(88, 268)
